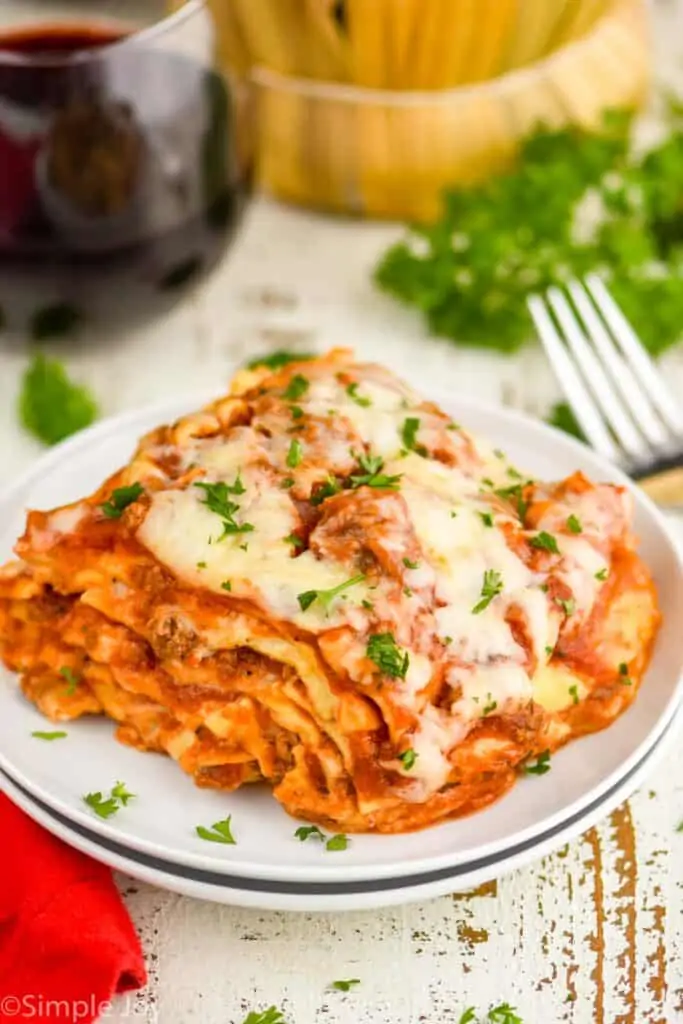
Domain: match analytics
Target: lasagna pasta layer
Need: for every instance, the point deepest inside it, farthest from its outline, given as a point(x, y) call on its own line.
point(322, 583)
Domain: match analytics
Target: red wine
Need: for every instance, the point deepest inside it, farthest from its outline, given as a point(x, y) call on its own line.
point(120, 174)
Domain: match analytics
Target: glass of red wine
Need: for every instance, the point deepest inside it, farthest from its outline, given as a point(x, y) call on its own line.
point(124, 159)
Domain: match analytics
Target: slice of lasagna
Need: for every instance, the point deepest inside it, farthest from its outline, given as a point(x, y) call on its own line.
point(321, 582)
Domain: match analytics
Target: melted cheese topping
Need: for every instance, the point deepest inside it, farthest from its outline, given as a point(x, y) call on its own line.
point(468, 579)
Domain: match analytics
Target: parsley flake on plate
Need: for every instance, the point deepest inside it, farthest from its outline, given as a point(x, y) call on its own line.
point(226, 585)
point(120, 499)
point(352, 392)
point(346, 986)
point(601, 575)
point(574, 524)
point(297, 387)
point(390, 659)
point(326, 597)
point(410, 565)
point(486, 518)
point(541, 765)
point(105, 807)
point(338, 842)
point(305, 832)
point(220, 832)
point(57, 735)
point(51, 406)
point(490, 588)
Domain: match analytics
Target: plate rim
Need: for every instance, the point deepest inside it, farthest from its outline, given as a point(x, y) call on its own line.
point(171, 408)
point(415, 888)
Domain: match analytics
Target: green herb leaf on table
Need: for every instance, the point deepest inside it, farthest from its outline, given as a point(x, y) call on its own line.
point(469, 1016)
point(51, 406)
point(504, 1014)
point(496, 243)
point(270, 1016)
point(346, 986)
point(56, 735)
point(220, 832)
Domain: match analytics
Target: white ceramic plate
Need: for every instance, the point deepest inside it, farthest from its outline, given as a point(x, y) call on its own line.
point(161, 822)
point(240, 892)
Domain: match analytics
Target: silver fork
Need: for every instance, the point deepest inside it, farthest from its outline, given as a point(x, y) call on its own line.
point(614, 388)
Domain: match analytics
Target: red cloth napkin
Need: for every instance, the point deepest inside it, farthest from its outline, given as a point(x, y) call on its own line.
point(67, 944)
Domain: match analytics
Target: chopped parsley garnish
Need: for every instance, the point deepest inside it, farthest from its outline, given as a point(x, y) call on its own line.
point(270, 1016)
point(281, 357)
point(121, 498)
point(338, 842)
point(57, 735)
point(352, 392)
point(217, 500)
point(295, 540)
point(515, 496)
point(51, 406)
point(513, 473)
point(326, 597)
point(410, 565)
point(345, 986)
point(408, 592)
point(327, 489)
point(491, 587)
point(411, 425)
point(120, 793)
point(287, 483)
point(601, 575)
point(574, 524)
point(390, 659)
point(448, 640)
point(549, 650)
point(486, 518)
point(452, 426)
point(544, 542)
point(226, 585)
point(499, 453)
point(201, 565)
point(372, 466)
point(305, 832)
point(469, 1016)
point(487, 481)
point(367, 604)
point(504, 1014)
point(220, 832)
point(66, 672)
point(244, 547)
point(679, 827)
point(295, 453)
point(408, 759)
point(567, 604)
point(541, 765)
point(623, 674)
point(297, 412)
point(574, 693)
point(490, 705)
point(297, 387)
point(103, 807)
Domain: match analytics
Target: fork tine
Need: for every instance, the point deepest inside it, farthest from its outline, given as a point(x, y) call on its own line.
point(575, 390)
point(633, 351)
point(597, 380)
point(623, 376)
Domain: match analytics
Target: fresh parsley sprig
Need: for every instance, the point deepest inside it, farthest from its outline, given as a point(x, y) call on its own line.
point(326, 597)
point(372, 476)
point(491, 587)
point(51, 405)
point(220, 832)
point(390, 659)
point(217, 500)
point(106, 807)
point(120, 499)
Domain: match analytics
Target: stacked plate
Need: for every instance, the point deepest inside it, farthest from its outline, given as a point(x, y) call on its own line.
point(154, 837)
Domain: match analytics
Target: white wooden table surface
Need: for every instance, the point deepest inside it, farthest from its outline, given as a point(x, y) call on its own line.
point(592, 935)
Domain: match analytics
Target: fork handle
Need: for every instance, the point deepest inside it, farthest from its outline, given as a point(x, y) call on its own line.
point(665, 487)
